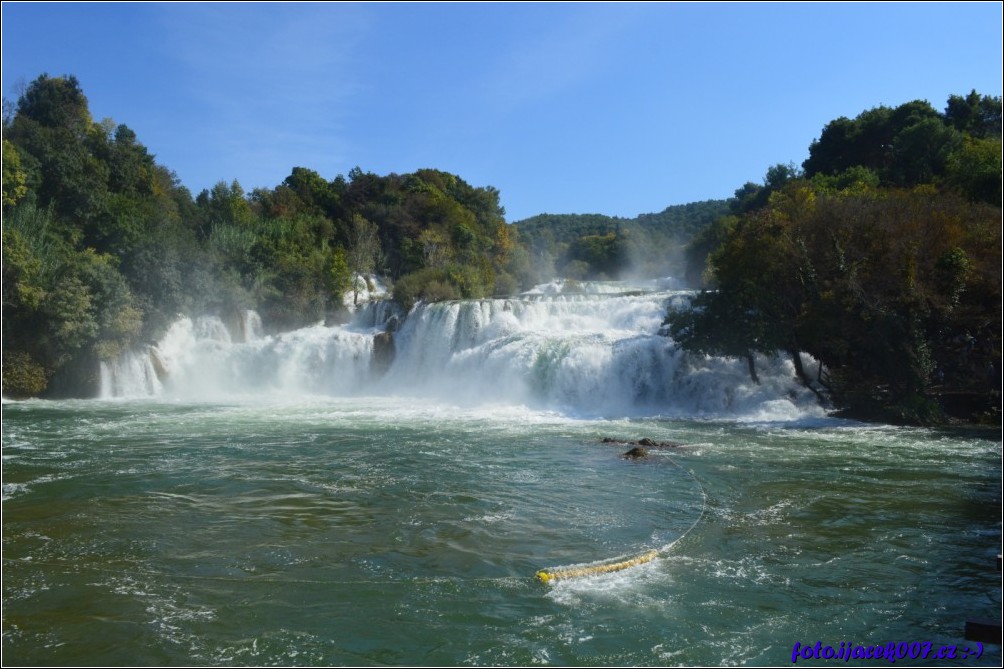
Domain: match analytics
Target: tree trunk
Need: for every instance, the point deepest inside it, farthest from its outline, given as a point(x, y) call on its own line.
point(752, 367)
point(800, 371)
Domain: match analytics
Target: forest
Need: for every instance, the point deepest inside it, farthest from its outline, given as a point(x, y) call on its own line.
point(594, 246)
point(103, 247)
point(879, 256)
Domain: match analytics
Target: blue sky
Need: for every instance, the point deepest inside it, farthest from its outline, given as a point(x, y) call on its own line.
point(617, 109)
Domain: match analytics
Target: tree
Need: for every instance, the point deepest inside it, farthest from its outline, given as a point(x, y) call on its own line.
point(226, 204)
point(56, 102)
point(339, 276)
point(316, 195)
point(436, 248)
point(15, 182)
point(603, 256)
point(56, 138)
point(976, 115)
point(879, 285)
point(975, 169)
point(901, 144)
point(920, 152)
point(363, 251)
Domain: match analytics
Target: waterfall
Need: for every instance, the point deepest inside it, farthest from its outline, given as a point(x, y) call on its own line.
point(595, 350)
point(251, 327)
point(130, 375)
point(597, 354)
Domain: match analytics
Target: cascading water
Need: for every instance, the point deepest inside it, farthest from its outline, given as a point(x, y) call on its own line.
point(198, 359)
point(597, 351)
point(251, 327)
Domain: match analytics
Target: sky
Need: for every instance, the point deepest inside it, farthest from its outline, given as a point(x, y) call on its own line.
point(617, 109)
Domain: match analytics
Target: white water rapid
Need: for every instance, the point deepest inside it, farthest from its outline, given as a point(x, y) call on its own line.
point(594, 352)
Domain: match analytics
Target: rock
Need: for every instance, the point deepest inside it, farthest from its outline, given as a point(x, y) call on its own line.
point(646, 442)
point(636, 452)
point(383, 353)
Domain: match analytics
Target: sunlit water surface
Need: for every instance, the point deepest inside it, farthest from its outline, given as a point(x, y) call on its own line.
point(401, 531)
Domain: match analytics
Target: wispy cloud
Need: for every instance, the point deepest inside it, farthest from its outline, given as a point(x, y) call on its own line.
point(267, 80)
point(558, 51)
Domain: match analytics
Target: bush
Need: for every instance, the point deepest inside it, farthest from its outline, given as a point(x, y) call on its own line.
point(439, 291)
point(22, 376)
point(410, 288)
point(505, 285)
point(436, 284)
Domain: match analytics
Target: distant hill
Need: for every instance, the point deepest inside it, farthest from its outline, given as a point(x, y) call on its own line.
point(584, 246)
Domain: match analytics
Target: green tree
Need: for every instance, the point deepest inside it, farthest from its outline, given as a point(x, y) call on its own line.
point(879, 285)
point(54, 134)
point(225, 204)
point(906, 145)
point(975, 169)
point(30, 259)
point(363, 252)
point(976, 115)
point(339, 276)
point(316, 194)
point(15, 182)
point(56, 102)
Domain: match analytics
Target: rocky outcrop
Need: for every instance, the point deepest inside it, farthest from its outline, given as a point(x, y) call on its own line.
point(383, 353)
point(646, 442)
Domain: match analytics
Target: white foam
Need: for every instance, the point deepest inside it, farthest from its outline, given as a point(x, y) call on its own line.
point(595, 354)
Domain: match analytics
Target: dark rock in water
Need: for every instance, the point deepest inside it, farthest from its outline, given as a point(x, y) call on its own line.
point(648, 443)
point(636, 452)
point(383, 353)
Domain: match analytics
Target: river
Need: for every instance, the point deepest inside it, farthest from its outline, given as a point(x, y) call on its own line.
point(248, 499)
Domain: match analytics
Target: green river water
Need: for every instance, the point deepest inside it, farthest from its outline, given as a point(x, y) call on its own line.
point(383, 530)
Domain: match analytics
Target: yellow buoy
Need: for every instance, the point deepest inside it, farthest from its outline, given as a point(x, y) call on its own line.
point(559, 573)
point(545, 576)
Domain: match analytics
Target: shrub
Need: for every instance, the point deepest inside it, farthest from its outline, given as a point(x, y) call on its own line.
point(22, 376)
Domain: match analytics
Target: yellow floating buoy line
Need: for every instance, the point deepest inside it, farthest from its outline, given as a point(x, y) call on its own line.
point(578, 571)
point(548, 575)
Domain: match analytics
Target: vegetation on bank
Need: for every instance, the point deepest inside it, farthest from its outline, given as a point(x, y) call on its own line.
point(880, 257)
point(103, 248)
